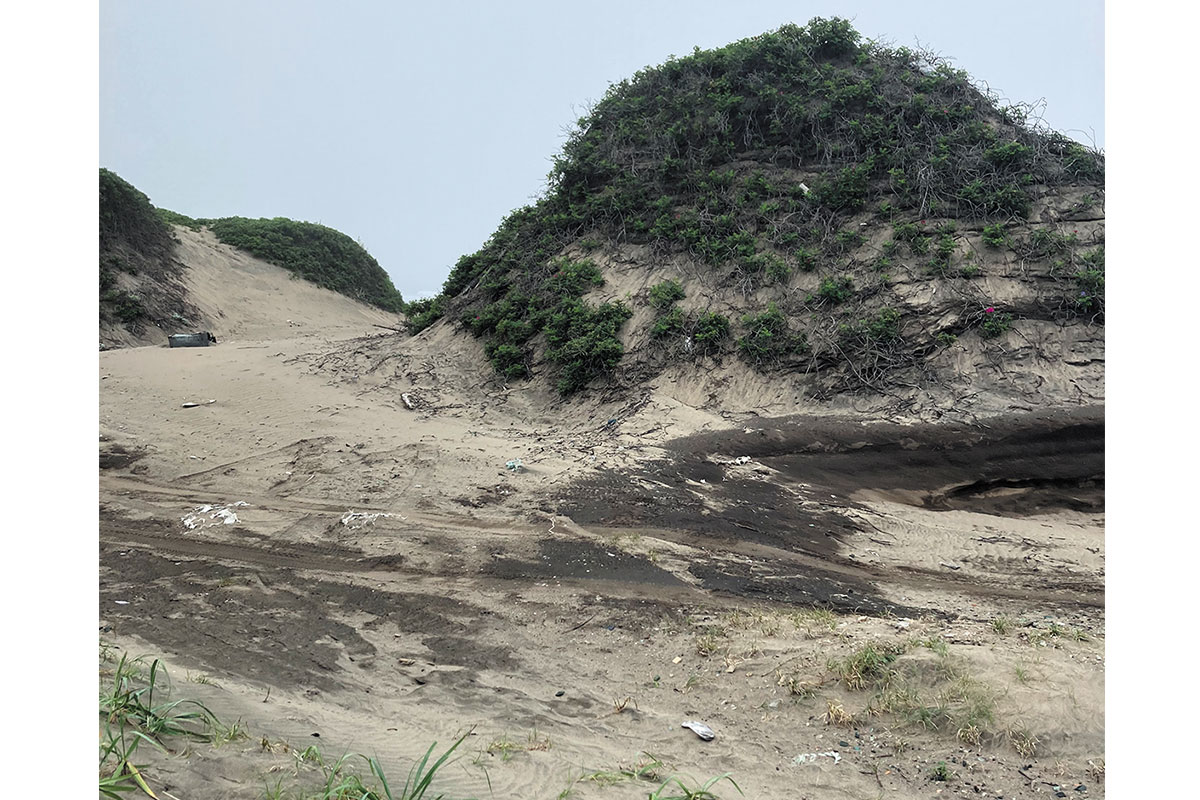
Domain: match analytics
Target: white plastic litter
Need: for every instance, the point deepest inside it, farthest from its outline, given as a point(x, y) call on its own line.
point(515, 465)
point(207, 516)
point(700, 729)
point(740, 461)
point(811, 758)
point(358, 519)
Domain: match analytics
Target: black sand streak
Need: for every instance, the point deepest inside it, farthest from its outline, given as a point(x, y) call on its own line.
point(815, 589)
point(1019, 465)
point(558, 558)
point(1055, 451)
point(261, 619)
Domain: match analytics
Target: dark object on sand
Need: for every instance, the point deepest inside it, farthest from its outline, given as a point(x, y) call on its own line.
point(201, 339)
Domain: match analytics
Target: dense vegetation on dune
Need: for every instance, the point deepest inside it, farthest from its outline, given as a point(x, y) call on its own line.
point(776, 155)
point(136, 238)
point(133, 239)
point(316, 253)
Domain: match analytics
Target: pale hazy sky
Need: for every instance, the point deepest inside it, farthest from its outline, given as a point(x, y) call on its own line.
point(416, 127)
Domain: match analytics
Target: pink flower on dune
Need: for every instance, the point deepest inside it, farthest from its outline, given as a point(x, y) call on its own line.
point(989, 310)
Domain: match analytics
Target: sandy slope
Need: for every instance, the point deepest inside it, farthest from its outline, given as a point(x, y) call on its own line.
point(239, 297)
point(637, 572)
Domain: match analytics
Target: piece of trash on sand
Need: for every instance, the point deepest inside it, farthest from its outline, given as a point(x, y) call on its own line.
point(191, 404)
point(357, 519)
point(209, 515)
point(810, 758)
point(408, 403)
point(121, 602)
point(948, 565)
point(700, 729)
point(515, 465)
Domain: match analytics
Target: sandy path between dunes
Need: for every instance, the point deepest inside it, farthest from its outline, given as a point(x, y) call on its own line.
point(647, 584)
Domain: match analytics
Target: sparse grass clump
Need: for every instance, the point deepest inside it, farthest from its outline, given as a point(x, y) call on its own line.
point(136, 708)
point(935, 643)
point(1041, 636)
point(933, 692)
point(118, 773)
point(1023, 741)
point(814, 621)
point(688, 788)
point(867, 666)
point(139, 698)
point(1044, 242)
point(940, 772)
point(707, 645)
point(504, 747)
point(836, 714)
point(540, 742)
point(797, 684)
point(342, 782)
point(645, 769)
point(970, 734)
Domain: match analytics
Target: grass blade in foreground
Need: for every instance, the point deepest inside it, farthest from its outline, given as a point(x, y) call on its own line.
point(419, 780)
point(699, 793)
